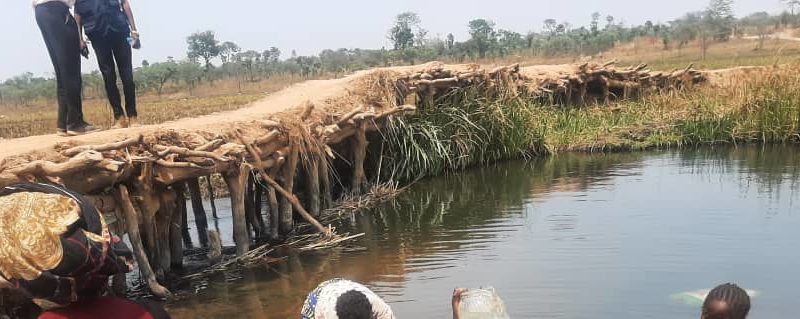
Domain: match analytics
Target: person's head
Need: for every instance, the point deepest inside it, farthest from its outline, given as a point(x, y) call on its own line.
point(353, 305)
point(726, 301)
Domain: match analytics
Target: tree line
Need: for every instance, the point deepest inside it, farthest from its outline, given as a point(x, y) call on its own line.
point(209, 59)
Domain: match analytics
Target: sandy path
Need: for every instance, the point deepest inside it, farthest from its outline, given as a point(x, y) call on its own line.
point(315, 91)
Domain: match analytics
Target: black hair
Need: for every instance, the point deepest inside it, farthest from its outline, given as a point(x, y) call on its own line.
point(353, 305)
point(726, 301)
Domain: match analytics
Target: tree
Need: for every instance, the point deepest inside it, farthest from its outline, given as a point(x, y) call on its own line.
point(271, 56)
point(190, 73)
point(402, 34)
point(610, 22)
point(203, 45)
point(792, 4)
point(450, 42)
point(157, 74)
point(247, 60)
point(550, 26)
point(719, 19)
point(226, 51)
point(483, 35)
point(595, 24)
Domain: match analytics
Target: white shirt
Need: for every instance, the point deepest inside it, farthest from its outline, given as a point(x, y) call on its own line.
point(69, 3)
point(321, 303)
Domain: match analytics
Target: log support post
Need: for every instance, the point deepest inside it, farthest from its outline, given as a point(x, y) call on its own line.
point(312, 176)
point(289, 170)
point(132, 224)
point(258, 203)
point(165, 224)
point(274, 209)
point(325, 183)
point(359, 156)
point(201, 222)
point(236, 179)
point(211, 197)
point(149, 204)
point(176, 244)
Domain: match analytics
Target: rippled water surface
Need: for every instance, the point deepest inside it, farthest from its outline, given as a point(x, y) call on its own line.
point(575, 236)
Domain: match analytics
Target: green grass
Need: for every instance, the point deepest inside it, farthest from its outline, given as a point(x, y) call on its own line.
point(466, 128)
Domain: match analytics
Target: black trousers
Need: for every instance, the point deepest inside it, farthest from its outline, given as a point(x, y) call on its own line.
point(60, 33)
point(114, 51)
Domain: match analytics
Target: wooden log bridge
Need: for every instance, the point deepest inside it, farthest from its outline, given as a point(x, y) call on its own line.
point(265, 163)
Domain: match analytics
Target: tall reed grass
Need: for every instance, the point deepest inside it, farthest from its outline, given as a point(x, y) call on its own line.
point(467, 128)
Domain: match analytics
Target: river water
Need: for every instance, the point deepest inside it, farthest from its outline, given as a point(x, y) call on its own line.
point(574, 236)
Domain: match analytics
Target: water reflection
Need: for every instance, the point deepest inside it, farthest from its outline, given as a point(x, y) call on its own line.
point(575, 236)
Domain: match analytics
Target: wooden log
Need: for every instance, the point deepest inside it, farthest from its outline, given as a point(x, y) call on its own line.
point(289, 170)
point(325, 184)
point(274, 208)
point(164, 228)
point(104, 147)
point(397, 110)
point(346, 118)
point(236, 179)
point(200, 220)
point(185, 152)
point(286, 194)
point(211, 199)
point(132, 224)
point(176, 226)
point(251, 206)
point(215, 247)
point(359, 156)
point(149, 204)
point(269, 124)
point(312, 182)
point(308, 108)
point(269, 138)
point(259, 207)
point(187, 237)
point(42, 168)
point(211, 146)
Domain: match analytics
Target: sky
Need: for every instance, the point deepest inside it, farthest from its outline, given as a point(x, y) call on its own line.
point(314, 25)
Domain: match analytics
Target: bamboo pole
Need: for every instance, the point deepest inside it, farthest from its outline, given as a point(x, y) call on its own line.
point(286, 194)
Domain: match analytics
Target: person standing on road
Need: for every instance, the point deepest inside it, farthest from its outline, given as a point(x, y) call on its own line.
point(111, 28)
point(60, 33)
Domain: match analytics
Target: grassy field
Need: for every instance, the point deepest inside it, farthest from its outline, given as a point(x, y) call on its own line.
point(736, 52)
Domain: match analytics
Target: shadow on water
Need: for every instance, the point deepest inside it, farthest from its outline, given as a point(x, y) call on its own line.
point(574, 236)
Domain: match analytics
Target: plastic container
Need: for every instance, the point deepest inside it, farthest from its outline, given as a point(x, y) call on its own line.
point(482, 303)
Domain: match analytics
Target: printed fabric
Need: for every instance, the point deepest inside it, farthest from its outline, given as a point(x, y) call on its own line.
point(56, 246)
point(321, 302)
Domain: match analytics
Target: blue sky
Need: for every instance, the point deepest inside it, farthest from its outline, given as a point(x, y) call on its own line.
point(310, 26)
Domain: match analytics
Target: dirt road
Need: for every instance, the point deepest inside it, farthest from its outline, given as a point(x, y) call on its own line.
point(315, 91)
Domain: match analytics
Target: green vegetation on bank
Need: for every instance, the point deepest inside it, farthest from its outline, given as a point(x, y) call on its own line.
point(465, 129)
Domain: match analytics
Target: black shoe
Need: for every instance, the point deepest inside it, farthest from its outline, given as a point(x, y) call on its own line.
point(81, 130)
